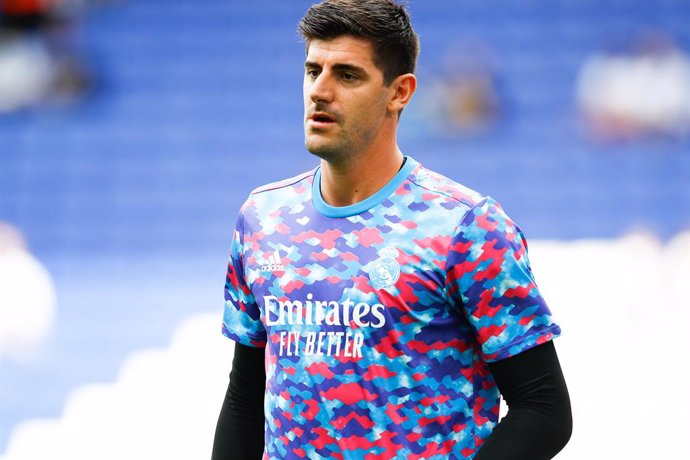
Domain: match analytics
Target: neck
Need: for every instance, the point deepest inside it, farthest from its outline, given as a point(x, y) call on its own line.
point(358, 178)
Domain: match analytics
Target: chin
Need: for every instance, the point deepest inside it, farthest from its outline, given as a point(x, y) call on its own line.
point(324, 151)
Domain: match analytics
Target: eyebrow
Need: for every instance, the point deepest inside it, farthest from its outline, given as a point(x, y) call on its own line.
point(339, 67)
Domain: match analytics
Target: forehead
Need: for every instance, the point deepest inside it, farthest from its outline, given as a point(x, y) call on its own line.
point(345, 49)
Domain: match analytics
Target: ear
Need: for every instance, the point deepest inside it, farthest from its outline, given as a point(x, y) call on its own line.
point(402, 88)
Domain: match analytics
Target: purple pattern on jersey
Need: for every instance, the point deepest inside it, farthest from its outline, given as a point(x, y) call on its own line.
point(378, 325)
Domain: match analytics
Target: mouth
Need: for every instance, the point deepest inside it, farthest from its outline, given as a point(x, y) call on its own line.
point(321, 119)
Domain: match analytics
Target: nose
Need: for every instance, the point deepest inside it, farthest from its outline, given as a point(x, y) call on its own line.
point(320, 89)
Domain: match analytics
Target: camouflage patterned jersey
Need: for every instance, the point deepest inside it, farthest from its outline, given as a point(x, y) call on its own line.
point(379, 318)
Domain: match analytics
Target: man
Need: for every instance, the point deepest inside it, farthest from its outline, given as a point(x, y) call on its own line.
point(386, 301)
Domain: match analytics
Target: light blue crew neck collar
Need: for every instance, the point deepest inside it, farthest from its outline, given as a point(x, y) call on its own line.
point(358, 208)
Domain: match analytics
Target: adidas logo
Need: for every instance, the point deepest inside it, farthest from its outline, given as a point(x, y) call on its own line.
point(274, 263)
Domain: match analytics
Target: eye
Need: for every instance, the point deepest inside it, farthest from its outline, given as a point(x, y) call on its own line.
point(312, 73)
point(348, 76)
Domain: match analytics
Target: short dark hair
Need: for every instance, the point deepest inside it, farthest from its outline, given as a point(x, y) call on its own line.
point(385, 23)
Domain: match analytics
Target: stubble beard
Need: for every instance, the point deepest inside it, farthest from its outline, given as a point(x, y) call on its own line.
point(332, 149)
point(328, 151)
point(338, 149)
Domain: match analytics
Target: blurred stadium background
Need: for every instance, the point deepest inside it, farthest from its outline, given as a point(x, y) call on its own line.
point(131, 131)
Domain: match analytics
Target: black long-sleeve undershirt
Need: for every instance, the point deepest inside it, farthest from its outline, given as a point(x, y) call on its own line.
point(539, 422)
point(240, 428)
point(537, 426)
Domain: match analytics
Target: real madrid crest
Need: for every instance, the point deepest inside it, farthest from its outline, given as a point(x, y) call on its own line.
point(385, 270)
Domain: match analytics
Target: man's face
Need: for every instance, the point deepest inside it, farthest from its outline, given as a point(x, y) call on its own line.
point(345, 98)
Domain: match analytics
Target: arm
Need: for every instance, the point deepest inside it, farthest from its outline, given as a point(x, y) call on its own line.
point(240, 428)
point(539, 422)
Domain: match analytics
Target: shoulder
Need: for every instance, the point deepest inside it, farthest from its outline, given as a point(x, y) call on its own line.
point(297, 181)
point(268, 200)
point(476, 209)
point(437, 186)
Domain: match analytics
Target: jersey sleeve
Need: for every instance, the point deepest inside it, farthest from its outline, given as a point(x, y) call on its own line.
point(241, 315)
point(490, 279)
